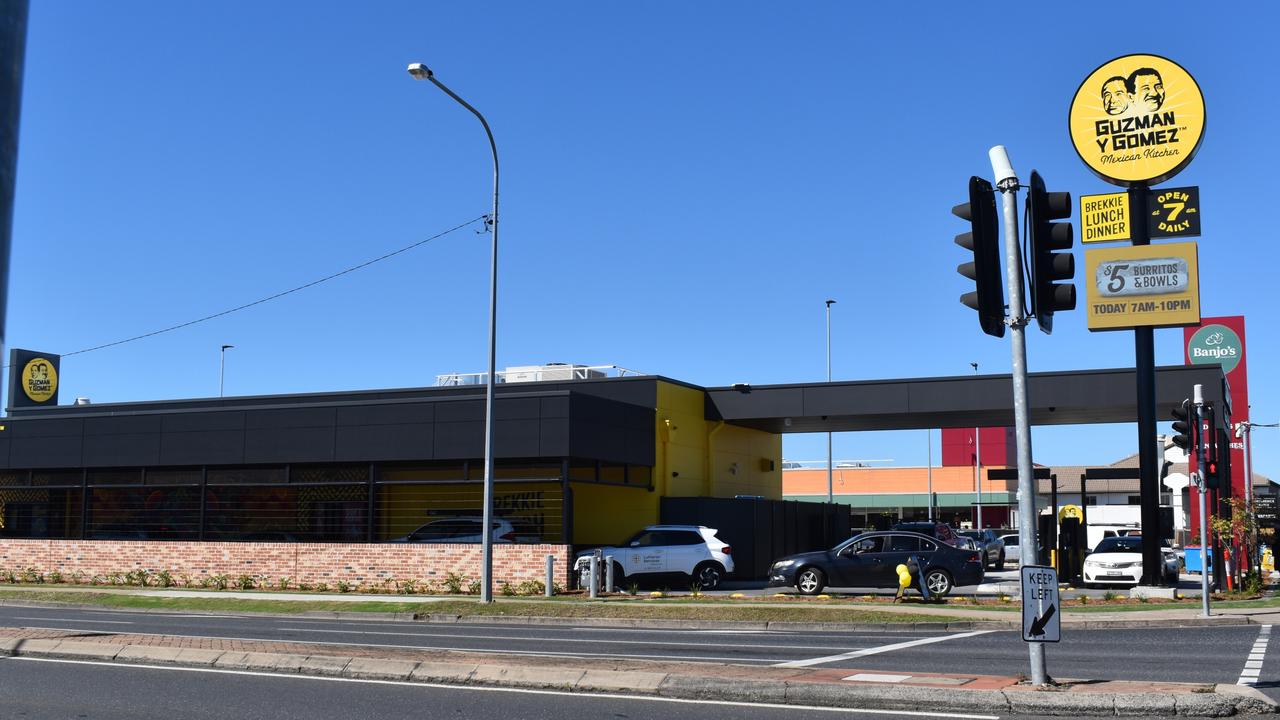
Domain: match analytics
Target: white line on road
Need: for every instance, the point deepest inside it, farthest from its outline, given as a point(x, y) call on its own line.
point(880, 649)
point(524, 691)
point(58, 619)
point(1257, 653)
point(594, 641)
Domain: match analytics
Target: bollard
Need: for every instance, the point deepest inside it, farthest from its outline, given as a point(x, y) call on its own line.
point(593, 569)
point(608, 573)
point(551, 575)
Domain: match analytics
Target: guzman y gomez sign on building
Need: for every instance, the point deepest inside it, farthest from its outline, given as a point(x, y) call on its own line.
point(1137, 120)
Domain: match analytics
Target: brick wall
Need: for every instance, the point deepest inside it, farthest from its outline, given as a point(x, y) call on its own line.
point(312, 563)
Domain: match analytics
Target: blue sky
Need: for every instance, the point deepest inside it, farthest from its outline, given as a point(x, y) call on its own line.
point(684, 184)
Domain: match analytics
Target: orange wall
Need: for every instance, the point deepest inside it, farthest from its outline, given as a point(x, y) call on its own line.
point(887, 480)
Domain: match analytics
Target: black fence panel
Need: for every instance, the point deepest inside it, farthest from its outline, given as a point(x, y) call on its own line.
point(760, 531)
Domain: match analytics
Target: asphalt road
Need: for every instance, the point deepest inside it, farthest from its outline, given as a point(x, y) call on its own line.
point(57, 690)
point(1209, 654)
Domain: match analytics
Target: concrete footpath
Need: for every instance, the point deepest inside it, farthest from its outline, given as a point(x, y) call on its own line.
point(848, 688)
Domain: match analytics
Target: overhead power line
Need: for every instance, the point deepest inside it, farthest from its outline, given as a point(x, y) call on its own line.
point(281, 294)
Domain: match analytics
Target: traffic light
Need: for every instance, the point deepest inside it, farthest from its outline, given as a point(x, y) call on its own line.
point(1049, 267)
point(1212, 462)
point(1183, 425)
point(983, 239)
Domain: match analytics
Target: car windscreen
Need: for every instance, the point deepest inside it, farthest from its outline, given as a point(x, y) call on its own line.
point(1119, 545)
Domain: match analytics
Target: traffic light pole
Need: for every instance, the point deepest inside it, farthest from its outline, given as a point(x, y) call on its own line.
point(1198, 405)
point(1007, 184)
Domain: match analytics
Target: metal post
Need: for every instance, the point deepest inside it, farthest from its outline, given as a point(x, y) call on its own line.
point(977, 465)
point(593, 572)
point(1007, 183)
point(1198, 477)
point(608, 573)
point(929, 441)
point(222, 368)
point(1245, 430)
point(830, 487)
point(420, 71)
point(13, 49)
point(549, 587)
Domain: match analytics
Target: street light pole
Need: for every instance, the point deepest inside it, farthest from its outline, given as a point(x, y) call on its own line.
point(422, 72)
point(977, 462)
point(222, 368)
point(830, 487)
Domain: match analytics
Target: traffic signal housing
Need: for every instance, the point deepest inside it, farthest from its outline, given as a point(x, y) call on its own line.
point(983, 240)
point(1212, 470)
point(1051, 270)
point(1183, 427)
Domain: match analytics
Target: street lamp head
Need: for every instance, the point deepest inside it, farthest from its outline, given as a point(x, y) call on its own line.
point(227, 347)
point(420, 71)
point(830, 303)
point(974, 366)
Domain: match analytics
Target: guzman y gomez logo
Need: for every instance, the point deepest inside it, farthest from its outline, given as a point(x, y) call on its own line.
point(1215, 344)
point(1137, 119)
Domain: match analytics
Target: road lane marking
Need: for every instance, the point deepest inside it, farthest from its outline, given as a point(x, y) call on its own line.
point(595, 641)
point(1257, 653)
point(525, 691)
point(880, 649)
point(58, 619)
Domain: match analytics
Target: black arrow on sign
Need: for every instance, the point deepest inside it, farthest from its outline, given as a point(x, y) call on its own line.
point(1037, 625)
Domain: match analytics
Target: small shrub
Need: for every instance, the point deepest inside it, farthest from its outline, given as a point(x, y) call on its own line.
point(136, 577)
point(283, 583)
point(31, 575)
point(1110, 595)
point(97, 580)
point(531, 587)
point(695, 589)
point(322, 587)
point(408, 587)
point(453, 582)
point(76, 577)
point(188, 581)
point(473, 588)
point(54, 577)
point(506, 589)
point(164, 579)
point(1144, 599)
point(1251, 584)
point(218, 582)
point(245, 582)
point(304, 586)
point(1084, 599)
point(633, 588)
point(8, 576)
point(343, 586)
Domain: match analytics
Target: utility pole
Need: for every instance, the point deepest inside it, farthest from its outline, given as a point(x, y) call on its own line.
point(13, 47)
point(1197, 409)
point(830, 486)
point(1007, 184)
point(929, 442)
point(977, 463)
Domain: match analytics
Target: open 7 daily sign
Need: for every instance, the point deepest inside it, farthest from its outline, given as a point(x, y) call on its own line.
point(1142, 285)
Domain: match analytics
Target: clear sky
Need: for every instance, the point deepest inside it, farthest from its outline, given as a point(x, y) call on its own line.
point(684, 184)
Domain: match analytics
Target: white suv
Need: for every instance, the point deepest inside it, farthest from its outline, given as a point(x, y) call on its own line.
point(693, 551)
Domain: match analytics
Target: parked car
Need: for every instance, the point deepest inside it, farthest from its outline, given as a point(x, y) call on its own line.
point(936, 530)
point(871, 560)
point(459, 530)
point(1118, 560)
point(692, 552)
point(992, 547)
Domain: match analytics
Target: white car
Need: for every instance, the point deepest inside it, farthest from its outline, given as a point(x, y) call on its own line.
point(692, 551)
point(1118, 560)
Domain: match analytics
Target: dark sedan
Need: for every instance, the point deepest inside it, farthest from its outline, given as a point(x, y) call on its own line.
point(871, 560)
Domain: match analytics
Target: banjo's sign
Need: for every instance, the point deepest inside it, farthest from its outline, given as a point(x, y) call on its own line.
point(1137, 120)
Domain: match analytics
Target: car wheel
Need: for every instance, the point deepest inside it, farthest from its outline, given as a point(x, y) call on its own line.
point(618, 577)
point(810, 581)
point(1000, 563)
point(938, 582)
point(707, 575)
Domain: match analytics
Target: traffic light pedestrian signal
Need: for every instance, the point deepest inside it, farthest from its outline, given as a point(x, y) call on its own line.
point(983, 239)
point(1050, 268)
point(1183, 427)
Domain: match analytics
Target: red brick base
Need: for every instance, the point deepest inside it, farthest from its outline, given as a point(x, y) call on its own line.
point(372, 566)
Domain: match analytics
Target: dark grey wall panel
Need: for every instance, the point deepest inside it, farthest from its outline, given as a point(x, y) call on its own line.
point(45, 452)
point(516, 438)
point(215, 447)
point(122, 425)
point(385, 442)
point(52, 427)
point(554, 407)
point(131, 450)
point(386, 414)
point(288, 444)
point(461, 411)
point(553, 437)
point(290, 418)
point(459, 440)
point(517, 408)
point(203, 421)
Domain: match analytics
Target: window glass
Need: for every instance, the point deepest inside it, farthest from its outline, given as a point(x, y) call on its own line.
point(646, 539)
point(40, 513)
point(903, 543)
point(928, 546)
point(683, 537)
point(864, 545)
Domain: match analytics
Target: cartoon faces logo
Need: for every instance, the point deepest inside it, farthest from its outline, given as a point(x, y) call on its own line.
point(39, 379)
point(1217, 345)
point(1137, 120)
